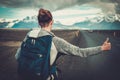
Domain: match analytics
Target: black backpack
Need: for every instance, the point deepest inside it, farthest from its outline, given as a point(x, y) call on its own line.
point(34, 60)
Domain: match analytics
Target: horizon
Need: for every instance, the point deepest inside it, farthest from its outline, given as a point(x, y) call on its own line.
point(65, 12)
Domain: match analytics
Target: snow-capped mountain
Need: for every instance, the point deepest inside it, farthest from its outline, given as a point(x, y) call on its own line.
point(104, 25)
point(4, 23)
point(31, 22)
point(28, 22)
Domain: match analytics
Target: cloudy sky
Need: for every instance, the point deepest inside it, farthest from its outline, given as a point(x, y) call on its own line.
point(63, 10)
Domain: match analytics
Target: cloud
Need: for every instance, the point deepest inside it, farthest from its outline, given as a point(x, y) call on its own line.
point(49, 4)
point(106, 5)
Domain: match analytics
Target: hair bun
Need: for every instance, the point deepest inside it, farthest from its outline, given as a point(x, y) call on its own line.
point(42, 12)
point(44, 16)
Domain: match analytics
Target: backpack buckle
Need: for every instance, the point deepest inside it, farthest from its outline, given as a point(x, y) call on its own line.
point(38, 74)
point(40, 55)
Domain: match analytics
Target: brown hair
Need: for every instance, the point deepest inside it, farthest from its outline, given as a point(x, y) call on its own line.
point(44, 17)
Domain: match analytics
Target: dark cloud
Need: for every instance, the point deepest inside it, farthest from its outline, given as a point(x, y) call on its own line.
point(54, 4)
point(106, 5)
point(49, 4)
point(19, 3)
point(118, 9)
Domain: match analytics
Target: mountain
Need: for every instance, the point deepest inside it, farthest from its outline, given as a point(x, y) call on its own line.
point(58, 25)
point(103, 25)
point(27, 22)
point(108, 25)
point(4, 24)
point(7, 23)
point(31, 22)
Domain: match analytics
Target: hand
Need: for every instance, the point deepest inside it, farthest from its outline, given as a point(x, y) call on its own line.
point(106, 45)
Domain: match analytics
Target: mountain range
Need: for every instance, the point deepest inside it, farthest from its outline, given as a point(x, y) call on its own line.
point(31, 22)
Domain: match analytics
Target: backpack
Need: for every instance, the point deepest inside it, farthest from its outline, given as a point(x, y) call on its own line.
point(34, 60)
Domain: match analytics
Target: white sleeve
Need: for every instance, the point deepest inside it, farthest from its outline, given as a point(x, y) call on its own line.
point(67, 48)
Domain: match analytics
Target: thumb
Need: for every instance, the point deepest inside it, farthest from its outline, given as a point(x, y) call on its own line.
point(107, 39)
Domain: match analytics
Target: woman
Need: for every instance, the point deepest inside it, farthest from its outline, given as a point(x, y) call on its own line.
point(45, 20)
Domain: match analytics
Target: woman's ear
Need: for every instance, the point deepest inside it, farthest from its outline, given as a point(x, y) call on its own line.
point(51, 22)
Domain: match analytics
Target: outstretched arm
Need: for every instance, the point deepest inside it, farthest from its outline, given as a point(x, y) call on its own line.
point(67, 48)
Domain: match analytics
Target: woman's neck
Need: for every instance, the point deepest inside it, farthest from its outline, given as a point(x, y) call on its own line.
point(48, 28)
